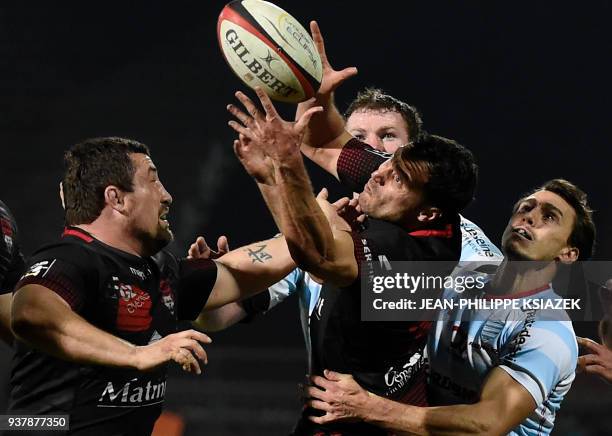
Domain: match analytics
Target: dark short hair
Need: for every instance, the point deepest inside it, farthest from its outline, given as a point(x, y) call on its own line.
point(376, 99)
point(583, 233)
point(91, 166)
point(450, 168)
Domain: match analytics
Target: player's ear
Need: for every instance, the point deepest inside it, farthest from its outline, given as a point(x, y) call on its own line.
point(568, 254)
point(114, 197)
point(429, 214)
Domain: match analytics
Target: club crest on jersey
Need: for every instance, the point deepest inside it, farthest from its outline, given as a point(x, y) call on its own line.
point(39, 269)
point(133, 307)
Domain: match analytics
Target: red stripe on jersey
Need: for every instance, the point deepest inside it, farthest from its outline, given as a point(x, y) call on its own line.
point(77, 233)
point(231, 15)
point(445, 233)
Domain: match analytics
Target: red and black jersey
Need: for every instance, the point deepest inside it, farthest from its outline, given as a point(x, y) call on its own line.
point(137, 299)
point(11, 260)
point(385, 358)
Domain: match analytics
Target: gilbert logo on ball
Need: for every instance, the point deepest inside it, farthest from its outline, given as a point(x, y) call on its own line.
point(267, 47)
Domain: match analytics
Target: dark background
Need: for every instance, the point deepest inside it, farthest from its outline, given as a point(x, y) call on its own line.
point(525, 85)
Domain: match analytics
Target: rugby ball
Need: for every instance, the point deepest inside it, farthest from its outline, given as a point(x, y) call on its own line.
point(267, 47)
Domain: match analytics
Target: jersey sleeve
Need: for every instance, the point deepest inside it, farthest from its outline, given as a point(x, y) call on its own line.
point(12, 263)
point(357, 161)
point(196, 280)
point(541, 354)
point(275, 294)
point(56, 269)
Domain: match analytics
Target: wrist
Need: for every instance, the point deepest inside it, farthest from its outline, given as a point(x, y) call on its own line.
point(135, 360)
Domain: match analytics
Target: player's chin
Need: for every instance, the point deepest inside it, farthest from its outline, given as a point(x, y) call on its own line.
point(513, 251)
point(165, 235)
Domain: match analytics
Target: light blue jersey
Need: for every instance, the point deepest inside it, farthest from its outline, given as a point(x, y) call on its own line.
point(539, 353)
point(300, 282)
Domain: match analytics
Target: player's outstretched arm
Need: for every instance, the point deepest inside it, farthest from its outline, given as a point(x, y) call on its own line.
point(221, 318)
point(314, 245)
point(325, 136)
point(504, 403)
point(44, 320)
point(250, 269)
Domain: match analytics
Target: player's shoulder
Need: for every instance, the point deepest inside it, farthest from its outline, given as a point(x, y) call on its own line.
point(552, 338)
point(69, 251)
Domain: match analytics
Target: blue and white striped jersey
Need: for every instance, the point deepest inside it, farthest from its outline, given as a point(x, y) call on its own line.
point(539, 353)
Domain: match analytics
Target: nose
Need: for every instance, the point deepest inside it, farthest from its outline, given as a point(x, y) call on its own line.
point(530, 217)
point(166, 197)
point(374, 141)
point(379, 174)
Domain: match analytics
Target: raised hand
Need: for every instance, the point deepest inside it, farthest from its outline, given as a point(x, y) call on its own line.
point(254, 160)
point(331, 78)
point(267, 133)
point(200, 249)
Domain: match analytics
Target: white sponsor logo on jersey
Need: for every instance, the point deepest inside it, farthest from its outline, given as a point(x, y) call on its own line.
point(39, 269)
point(132, 395)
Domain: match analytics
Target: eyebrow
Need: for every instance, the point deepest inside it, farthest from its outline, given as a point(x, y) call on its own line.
point(552, 208)
point(549, 207)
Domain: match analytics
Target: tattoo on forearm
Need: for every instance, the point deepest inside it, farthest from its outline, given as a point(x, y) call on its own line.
point(259, 254)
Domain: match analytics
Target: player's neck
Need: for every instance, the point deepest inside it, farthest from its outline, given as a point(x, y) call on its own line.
point(115, 236)
point(518, 277)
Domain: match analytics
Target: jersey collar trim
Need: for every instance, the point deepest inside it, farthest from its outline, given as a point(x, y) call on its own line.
point(447, 232)
point(77, 233)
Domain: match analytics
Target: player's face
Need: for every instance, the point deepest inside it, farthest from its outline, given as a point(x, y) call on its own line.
point(540, 228)
point(148, 205)
point(383, 130)
point(387, 196)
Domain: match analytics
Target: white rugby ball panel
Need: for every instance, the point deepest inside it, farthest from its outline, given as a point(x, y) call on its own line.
point(287, 33)
point(275, 76)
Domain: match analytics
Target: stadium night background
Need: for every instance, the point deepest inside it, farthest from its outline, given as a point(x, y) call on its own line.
point(524, 85)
